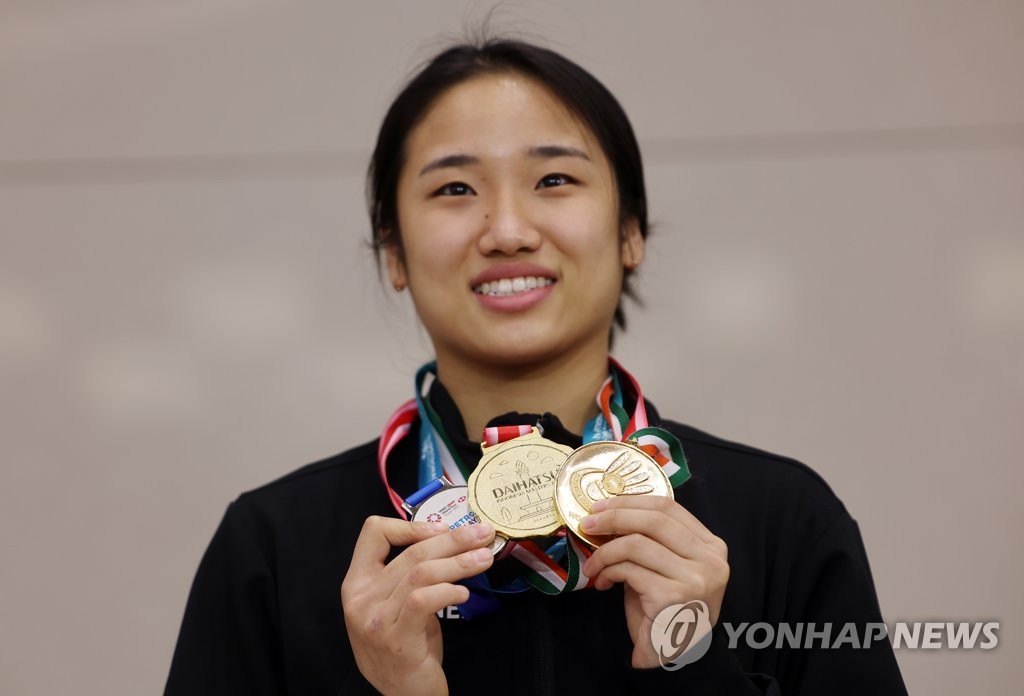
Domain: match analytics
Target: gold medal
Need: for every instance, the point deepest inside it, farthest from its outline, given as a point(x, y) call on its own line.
point(602, 470)
point(513, 486)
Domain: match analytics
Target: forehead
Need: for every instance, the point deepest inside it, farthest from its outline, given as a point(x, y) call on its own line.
point(497, 115)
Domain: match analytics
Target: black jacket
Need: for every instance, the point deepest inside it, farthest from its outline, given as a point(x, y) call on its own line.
point(264, 614)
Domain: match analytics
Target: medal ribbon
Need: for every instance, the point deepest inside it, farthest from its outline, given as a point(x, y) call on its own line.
point(557, 569)
point(437, 455)
point(660, 444)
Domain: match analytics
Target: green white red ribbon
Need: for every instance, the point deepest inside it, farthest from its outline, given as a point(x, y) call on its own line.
point(557, 569)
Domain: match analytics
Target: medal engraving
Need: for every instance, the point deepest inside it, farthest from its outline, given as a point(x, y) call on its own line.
point(450, 505)
point(602, 470)
point(513, 486)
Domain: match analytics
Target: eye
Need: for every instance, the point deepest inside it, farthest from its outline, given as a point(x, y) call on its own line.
point(455, 188)
point(555, 180)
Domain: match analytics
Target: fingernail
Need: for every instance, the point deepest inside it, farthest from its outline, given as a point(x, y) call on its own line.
point(599, 505)
point(438, 526)
point(588, 523)
point(481, 555)
point(482, 530)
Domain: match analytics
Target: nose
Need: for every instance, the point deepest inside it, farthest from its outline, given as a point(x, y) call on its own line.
point(507, 229)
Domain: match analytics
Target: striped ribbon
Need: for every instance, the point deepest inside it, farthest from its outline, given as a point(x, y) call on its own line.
point(558, 568)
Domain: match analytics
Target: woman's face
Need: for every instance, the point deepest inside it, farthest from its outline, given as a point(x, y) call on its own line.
point(509, 220)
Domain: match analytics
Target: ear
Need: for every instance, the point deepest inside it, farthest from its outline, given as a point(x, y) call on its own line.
point(396, 266)
point(632, 245)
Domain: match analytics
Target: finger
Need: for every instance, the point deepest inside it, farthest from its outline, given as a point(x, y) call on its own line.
point(654, 524)
point(443, 570)
point(638, 549)
point(422, 605)
point(656, 502)
point(641, 580)
point(448, 545)
point(379, 534)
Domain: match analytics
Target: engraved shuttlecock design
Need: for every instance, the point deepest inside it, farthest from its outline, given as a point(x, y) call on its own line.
point(622, 477)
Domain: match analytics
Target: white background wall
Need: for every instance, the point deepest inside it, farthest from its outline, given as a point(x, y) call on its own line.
point(188, 310)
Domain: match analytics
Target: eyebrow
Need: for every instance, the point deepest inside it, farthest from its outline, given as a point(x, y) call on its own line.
point(552, 151)
point(449, 161)
point(537, 152)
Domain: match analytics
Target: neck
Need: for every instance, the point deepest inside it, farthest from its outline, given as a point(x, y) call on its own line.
point(565, 386)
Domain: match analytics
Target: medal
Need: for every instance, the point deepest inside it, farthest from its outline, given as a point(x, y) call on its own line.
point(600, 470)
point(513, 486)
point(440, 501)
point(525, 502)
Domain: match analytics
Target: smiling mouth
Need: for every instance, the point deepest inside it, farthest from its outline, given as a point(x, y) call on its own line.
point(507, 287)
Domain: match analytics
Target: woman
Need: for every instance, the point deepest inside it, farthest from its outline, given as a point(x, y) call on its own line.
point(507, 197)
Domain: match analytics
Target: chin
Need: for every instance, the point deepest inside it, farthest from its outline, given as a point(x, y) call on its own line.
point(524, 348)
point(519, 355)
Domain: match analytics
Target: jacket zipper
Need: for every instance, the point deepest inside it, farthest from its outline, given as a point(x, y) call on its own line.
point(543, 647)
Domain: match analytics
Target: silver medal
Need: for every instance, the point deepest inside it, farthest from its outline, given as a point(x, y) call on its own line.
point(450, 505)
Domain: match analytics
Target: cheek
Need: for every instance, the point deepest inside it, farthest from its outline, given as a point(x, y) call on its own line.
point(428, 263)
point(592, 237)
point(434, 247)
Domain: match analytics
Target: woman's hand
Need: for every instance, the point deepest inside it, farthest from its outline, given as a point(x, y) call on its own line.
point(390, 610)
point(662, 554)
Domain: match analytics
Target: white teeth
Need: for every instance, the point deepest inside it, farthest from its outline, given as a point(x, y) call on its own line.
point(512, 286)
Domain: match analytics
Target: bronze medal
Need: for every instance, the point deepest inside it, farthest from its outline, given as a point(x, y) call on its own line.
point(513, 486)
point(600, 470)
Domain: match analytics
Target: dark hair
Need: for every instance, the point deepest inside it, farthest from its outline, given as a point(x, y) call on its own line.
point(582, 94)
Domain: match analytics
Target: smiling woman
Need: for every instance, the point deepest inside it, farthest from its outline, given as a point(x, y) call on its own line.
point(503, 187)
point(507, 195)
